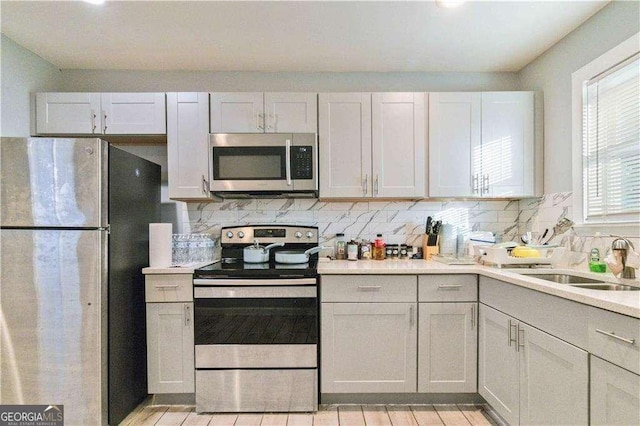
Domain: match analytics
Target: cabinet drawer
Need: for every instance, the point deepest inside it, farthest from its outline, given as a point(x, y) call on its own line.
point(368, 288)
point(447, 288)
point(169, 288)
point(615, 338)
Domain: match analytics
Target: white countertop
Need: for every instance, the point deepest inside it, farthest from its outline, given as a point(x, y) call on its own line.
point(623, 302)
point(178, 269)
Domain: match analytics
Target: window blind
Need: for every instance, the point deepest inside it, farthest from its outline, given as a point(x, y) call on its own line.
point(611, 146)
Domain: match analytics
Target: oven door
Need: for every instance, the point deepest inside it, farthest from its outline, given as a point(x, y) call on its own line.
point(256, 326)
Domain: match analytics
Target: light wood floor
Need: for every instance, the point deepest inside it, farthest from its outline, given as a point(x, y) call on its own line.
point(327, 415)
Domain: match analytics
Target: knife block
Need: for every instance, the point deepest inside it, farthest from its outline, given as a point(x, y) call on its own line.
point(428, 251)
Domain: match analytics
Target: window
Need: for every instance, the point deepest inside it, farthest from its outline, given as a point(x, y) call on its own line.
point(611, 144)
point(606, 142)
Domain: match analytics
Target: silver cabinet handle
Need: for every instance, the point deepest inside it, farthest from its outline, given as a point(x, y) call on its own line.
point(411, 316)
point(475, 183)
point(187, 314)
point(205, 185)
point(166, 287)
point(259, 122)
point(369, 287)
point(365, 184)
point(287, 160)
point(473, 317)
point(104, 117)
point(520, 339)
point(449, 286)
point(93, 121)
point(512, 325)
point(375, 186)
point(485, 184)
point(273, 122)
point(615, 336)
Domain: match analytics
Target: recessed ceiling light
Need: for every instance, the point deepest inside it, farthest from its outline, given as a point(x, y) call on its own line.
point(94, 1)
point(449, 3)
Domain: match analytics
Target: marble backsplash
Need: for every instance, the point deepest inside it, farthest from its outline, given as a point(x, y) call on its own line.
point(398, 221)
point(543, 213)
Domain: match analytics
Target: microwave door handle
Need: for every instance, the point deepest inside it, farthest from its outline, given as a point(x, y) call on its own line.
point(287, 160)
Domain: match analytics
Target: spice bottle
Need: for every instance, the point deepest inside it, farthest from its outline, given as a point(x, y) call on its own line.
point(378, 248)
point(352, 250)
point(341, 247)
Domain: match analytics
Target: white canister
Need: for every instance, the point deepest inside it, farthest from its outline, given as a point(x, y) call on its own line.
point(160, 244)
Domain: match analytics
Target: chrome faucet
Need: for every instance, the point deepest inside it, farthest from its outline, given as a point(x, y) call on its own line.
point(620, 248)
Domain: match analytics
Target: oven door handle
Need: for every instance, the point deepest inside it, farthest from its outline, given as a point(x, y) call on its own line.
point(286, 292)
point(287, 160)
point(253, 282)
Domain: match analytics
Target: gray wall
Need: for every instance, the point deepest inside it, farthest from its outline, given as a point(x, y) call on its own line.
point(23, 72)
point(551, 74)
point(176, 81)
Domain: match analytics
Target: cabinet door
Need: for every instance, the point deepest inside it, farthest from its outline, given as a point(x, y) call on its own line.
point(507, 144)
point(498, 378)
point(291, 112)
point(133, 113)
point(368, 347)
point(447, 347)
point(68, 113)
point(345, 145)
point(188, 145)
point(554, 380)
point(454, 144)
point(237, 112)
point(615, 394)
point(399, 144)
point(170, 348)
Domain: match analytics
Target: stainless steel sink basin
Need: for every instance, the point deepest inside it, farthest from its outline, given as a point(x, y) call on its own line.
point(607, 287)
point(565, 278)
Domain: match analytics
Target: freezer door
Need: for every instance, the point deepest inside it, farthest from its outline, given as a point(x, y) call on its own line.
point(53, 321)
point(53, 182)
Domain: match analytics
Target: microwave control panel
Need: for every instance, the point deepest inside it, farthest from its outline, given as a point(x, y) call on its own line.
point(302, 162)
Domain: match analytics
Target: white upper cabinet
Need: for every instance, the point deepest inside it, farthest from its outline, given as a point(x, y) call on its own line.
point(507, 144)
point(372, 145)
point(345, 144)
point(133, 113)
point(100, 113)
point(257, 112)
point(481, 144)
point(291, 112)
point(188, 145)
point(454, 143)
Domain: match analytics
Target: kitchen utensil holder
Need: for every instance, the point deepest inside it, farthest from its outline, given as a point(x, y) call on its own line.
point(428, 251)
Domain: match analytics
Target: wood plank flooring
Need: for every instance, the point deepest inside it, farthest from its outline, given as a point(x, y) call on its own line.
point(327, 415)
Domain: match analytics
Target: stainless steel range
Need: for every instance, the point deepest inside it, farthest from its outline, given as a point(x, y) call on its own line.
point(256, 325)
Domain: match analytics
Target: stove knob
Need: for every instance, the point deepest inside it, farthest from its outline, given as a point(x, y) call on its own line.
point(229, 234)
point(309, 234)
point(240, 234)
point(298, 234)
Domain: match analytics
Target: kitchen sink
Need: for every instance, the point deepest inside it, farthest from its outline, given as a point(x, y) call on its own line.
point(607, 287)
point(565, 278)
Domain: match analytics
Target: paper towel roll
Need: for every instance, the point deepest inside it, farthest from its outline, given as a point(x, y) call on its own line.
point(160, 244)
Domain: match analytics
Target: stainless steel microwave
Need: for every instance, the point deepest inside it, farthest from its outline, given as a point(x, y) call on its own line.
point(269, 164)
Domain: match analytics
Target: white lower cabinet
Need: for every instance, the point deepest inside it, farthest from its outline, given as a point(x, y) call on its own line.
point(368, 347)
point(529, 376)
point(170, 348)
point(615, 394)
point(447, 347)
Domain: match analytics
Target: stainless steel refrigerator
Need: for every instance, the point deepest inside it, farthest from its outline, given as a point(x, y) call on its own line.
point(74, 237)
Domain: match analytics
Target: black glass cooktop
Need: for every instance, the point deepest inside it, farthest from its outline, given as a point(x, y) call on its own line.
point(236, 268)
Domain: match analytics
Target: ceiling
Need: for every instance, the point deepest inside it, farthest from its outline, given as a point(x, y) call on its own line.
point(302, 36)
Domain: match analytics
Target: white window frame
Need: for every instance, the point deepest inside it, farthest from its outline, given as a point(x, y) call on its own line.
point(599, 65)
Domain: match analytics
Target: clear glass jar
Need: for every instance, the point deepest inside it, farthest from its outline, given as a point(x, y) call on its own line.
point(378, 251)
point(341, 247)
